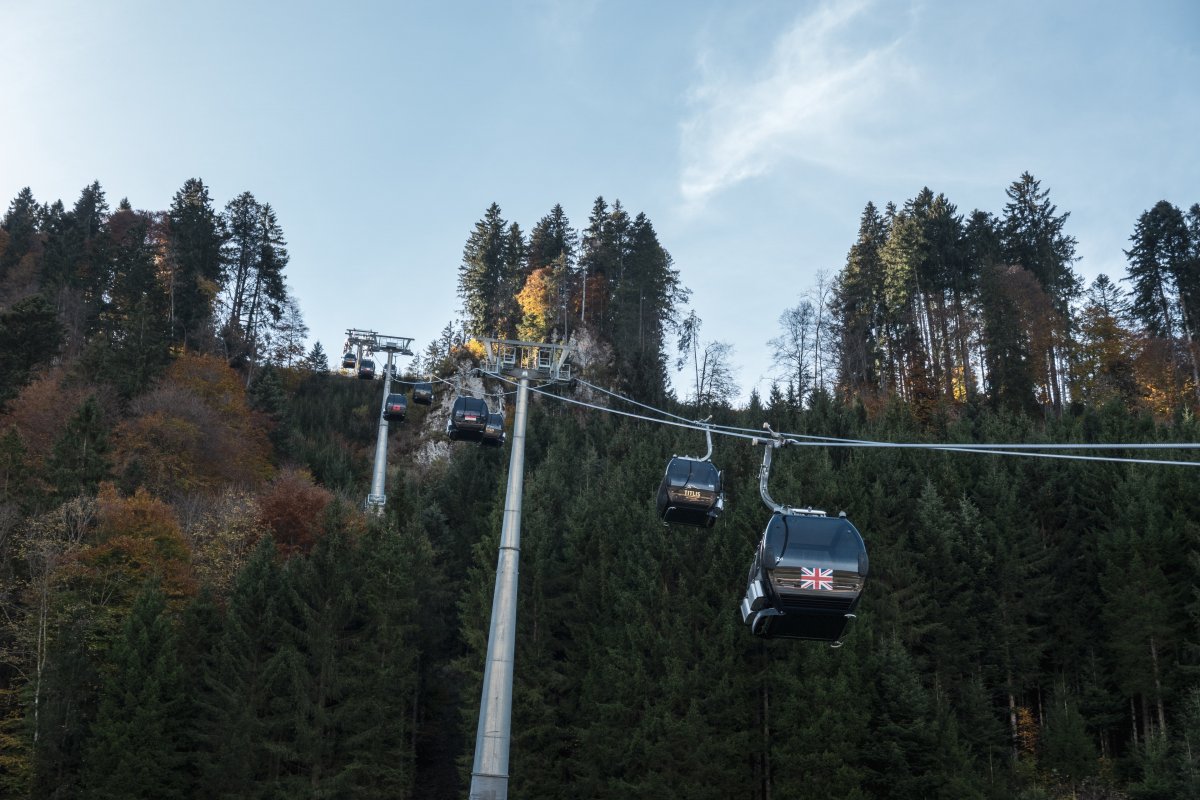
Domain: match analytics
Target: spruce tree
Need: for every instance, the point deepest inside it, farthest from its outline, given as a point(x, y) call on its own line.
point(1033, 236)
point(30, 336)
point(80, 458)
point(131, 346)
point(486, 279)
point(196, 236)
point(316, 362)
point(136, 744)
point(1162, 268)
point(20, 224)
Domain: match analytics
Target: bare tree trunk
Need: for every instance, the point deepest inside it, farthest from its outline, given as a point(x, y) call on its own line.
point(1012, 721)
point(1158, 693)
point(1134, 719)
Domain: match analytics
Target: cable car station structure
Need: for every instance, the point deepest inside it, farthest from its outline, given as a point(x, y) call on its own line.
point(361, 345)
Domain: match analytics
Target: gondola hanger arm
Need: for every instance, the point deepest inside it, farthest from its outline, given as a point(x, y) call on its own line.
point(707, 436)
point(772, 441)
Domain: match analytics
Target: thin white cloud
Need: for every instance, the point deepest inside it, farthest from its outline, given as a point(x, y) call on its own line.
point(811, 100)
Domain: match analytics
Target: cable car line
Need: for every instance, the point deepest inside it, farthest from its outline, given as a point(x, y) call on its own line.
point(812, 441)
point(997, 448)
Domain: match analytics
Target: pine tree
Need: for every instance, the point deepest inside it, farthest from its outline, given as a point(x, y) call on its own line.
point(485, 281)
point(135, 749)
point(1103, 368)
point(131, 345)
point(80, 459)
point(316, 362)
point(1162, 267)
point(553, 250)
point(200, 629)
point(20, 226)
point(1032, 236)
point(859, 309)
point(646, 297)
point(254, 292)
point(30, 336)
point(196, 235)
point(234, 726)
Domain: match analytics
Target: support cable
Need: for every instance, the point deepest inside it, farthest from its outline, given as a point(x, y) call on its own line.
point(799, 439)
point(969, 447)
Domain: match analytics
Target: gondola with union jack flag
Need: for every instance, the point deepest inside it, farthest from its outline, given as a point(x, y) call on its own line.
point(808, 571)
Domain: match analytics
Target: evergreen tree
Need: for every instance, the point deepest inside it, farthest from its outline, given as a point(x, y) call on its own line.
point(200, 630)
point(597, 260)
point(80, 459)
point(1067, 750)
point(196, 236)
point(135, 749)
point(1104, 362)
point(1162, 268)
point(131, 345)
point(553, 250)
point(485, 281)
point(65, 715)
point(234, 720)
point(859, 309)
point(646, 296)
point(20, 225)
point(30, 336)
point(254, 292)
point(1032, 236)
point(316, 362)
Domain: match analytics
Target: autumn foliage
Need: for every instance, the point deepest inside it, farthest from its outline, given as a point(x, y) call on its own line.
point(292, 508)
point(194, 431)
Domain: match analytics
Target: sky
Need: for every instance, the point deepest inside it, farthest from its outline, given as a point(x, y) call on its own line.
point(752, 134)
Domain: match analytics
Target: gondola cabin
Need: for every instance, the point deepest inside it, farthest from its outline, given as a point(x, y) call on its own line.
point(349, 361)
point(366, 369)
point(690, 493)
point(806, 578)
point(493, 432)
point(423, 393)
point(468, 419)
point(395, 408)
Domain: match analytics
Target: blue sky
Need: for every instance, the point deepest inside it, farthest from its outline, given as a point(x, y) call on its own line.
point(752, 134)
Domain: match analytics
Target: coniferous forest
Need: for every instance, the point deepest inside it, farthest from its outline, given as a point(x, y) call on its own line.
point(194, 605)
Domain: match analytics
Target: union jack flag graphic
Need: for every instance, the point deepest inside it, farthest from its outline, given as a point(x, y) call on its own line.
point(817, 578)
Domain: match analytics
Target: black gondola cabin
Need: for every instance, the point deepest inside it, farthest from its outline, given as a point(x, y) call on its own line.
point(366, 369)
point(395, 408)
point(493, 432)
point(423, 393)
point(806, 578)
point(349, 361)
point(468, 419)
point(690, 493)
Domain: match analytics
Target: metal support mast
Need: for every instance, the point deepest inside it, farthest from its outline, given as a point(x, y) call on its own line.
point(489, 774)
point(391, 345)
point(377, 497)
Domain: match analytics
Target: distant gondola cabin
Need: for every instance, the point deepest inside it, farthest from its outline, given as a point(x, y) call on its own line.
point(806, 579)
point(395, 408)
point(690, 493)
point(468, 419)
point(349, 361)
point(366, 369)
point(423, 393)
point(493, 432)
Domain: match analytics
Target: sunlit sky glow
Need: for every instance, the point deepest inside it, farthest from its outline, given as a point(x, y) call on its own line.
point(752, 134)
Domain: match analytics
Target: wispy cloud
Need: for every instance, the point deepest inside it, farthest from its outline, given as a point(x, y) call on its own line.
point(810, 100)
